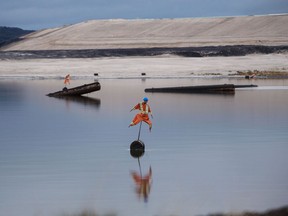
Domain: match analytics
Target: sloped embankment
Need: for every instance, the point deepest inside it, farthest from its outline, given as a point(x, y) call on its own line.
point(268, 30)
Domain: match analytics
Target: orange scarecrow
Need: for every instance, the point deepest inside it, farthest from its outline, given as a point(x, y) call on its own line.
point(67, 79)
point(143, 115)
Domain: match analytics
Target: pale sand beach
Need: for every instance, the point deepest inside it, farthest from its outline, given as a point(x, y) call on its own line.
point(132, 67)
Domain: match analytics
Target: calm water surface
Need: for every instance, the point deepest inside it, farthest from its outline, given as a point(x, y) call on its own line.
point(207, 153)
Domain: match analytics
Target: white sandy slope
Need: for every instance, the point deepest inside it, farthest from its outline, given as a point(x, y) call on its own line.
point(132, 67)
point(145, 33)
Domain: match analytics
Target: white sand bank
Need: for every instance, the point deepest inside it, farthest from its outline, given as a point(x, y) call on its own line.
point(269, 30)
point(130, 67)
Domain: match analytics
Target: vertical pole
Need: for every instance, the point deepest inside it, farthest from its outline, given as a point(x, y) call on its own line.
point(139, 167)
point(139, 130)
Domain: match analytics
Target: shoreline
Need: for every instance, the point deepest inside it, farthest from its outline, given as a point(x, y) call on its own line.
point(165, 66)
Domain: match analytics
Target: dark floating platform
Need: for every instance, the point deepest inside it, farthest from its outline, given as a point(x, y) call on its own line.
point(213, 89)
point(77, 91)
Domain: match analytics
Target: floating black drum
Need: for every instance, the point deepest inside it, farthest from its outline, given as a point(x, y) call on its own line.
point(137, 148)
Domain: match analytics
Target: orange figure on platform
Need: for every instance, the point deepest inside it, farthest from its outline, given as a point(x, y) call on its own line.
point(67, 79)
point(143, 115)
point(143, 184)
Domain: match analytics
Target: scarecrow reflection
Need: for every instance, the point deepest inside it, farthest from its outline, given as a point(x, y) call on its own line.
point(143, 183)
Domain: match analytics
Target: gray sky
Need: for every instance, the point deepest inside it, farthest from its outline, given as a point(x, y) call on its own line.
point(39, 14)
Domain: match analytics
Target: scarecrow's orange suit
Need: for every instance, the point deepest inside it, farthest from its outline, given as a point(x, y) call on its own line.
point(67, 79)
point(143, 115)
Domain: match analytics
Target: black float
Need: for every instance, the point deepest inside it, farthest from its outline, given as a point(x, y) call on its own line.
point(137, 149)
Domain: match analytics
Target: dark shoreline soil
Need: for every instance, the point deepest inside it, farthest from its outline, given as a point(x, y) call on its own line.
point(282, 211)
point(209, 51)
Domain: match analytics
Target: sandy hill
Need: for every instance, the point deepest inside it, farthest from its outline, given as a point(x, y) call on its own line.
point(147, 33)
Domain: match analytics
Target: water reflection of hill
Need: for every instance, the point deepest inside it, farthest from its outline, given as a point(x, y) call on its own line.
point(11, 94)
